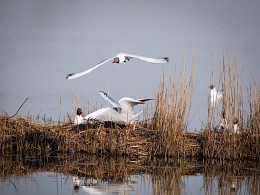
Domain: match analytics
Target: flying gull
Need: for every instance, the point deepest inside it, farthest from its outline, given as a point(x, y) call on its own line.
point(119, 58)
point(215, 95)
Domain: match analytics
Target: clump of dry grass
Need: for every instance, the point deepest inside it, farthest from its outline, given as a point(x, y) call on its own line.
point(20, 135)
point(172, 110)
point(254, 117)
point(229, 144)
point(24, 136)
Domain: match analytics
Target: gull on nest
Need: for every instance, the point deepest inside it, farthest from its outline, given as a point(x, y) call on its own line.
point(121, 113)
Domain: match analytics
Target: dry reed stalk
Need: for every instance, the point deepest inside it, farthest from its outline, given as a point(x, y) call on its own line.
point(172, 110)
point(253, 126)
point(229, 144)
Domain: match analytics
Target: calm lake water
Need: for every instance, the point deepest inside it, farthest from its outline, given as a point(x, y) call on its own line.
point(100, 175)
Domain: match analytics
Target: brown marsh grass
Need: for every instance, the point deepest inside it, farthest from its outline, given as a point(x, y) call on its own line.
point(24, 136)
point(227, 144)
point(172, 110)
point(164, 136)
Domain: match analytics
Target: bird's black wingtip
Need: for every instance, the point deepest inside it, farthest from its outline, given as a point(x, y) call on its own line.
point(104, 93)
point(144, 100)
point(69, 75)
point(166, 58)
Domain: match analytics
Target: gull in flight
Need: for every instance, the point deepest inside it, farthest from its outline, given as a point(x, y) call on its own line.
point(119, 58)
point(121, 113)
point(215, 95)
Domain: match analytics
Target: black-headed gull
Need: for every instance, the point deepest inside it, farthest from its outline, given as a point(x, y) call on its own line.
point(121, 114)
point(119, 58)
point(78, 118)
point(235, 126)
point(215, 95)
point(223, 123)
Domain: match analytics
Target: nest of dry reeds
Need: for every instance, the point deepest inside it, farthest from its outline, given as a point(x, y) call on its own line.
point(19, 135)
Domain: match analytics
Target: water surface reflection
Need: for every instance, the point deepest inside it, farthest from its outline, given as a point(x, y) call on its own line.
point(83, 174)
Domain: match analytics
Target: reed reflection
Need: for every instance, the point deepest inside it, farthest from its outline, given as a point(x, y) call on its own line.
point(105, 175)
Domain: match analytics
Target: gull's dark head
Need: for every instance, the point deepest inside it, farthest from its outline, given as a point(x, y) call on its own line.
point(235, 121)
point(212, 86)
point(69, 75)
point(79, 111)
point(116, 60)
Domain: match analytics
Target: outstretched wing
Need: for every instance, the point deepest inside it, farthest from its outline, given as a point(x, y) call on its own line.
point(106, 114)
point(76, 75)
point(127, 104)
point(110, 100)
point(144, 100)
point(148, 59)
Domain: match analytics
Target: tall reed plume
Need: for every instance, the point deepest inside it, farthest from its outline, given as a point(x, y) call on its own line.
point(172, 110)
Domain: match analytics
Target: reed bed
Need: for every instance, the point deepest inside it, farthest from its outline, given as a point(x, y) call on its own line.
point(19, 135)
point(164, 135)
point(227, 144)
point(172, 110)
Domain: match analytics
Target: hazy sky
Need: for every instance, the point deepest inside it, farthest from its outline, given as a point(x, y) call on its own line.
point(42, 41)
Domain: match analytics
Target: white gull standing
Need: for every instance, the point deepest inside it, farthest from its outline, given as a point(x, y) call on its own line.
point(121, 113)
point(223, 125)
point(119, 58)
point(79, 118)
point(235, 126)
